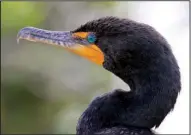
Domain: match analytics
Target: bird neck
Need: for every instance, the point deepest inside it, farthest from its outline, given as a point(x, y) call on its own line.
point(152, 96)
point(154, 93)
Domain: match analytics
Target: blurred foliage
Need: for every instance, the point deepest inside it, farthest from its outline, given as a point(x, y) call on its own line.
point(104, 4)
point(45, 89)
point(20, 107)
point(15, 15)
point(35, 97)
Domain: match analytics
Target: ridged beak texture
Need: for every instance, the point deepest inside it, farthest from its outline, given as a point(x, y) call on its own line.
point(74, 42)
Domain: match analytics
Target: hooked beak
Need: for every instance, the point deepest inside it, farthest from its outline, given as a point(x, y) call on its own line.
point(66, 39)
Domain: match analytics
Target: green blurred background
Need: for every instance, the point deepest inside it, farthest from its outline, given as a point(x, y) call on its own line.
point(45, 89)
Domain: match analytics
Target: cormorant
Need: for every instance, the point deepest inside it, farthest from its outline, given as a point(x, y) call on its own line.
point(136, 53)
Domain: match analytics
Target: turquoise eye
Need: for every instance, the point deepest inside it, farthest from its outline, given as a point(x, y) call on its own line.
point(91, 38)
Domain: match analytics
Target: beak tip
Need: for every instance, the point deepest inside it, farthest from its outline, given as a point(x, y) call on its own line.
point(23, 33)
point(17, 40)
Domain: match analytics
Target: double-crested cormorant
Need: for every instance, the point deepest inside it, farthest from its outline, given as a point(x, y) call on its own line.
point(137, 54)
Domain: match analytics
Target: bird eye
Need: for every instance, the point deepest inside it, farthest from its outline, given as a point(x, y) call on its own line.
point(91, 38)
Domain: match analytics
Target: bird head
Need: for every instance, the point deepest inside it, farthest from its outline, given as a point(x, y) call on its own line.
point(111, 42)
point(135, 52)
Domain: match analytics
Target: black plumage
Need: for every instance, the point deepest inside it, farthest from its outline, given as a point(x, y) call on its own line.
point(143, 59)
point(137, 54)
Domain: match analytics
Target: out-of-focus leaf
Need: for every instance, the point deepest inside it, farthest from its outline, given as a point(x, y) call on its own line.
point(104, 4)
point(15, 15)
point(24, 111)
